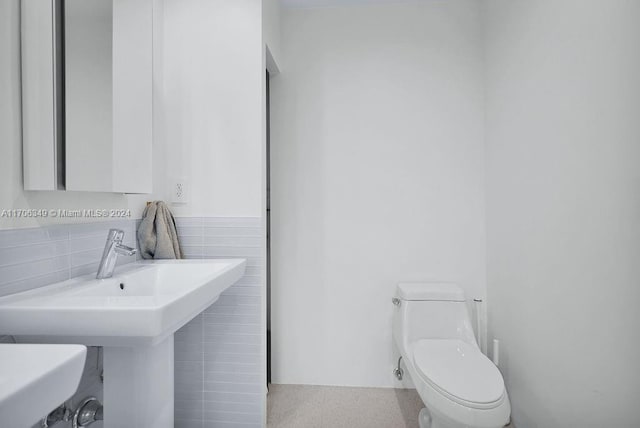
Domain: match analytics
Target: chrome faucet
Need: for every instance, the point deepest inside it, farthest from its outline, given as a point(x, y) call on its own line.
point(112, 248)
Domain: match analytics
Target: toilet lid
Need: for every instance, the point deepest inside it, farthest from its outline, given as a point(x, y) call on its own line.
point(459, 370)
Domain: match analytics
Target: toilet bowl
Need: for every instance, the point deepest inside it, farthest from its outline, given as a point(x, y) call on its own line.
point(458, 384)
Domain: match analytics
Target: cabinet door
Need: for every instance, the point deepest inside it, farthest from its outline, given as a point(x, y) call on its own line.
point(108, 95)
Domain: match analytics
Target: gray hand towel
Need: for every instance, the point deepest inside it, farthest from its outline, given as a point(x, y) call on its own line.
point(157, 234)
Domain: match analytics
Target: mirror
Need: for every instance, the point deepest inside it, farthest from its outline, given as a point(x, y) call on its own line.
point(91, 62)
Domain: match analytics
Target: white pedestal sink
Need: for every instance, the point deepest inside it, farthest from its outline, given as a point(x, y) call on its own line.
point(134, 316)
point(35, 379)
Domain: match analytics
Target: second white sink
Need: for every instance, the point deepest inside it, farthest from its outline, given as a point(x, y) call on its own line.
point(35, 379)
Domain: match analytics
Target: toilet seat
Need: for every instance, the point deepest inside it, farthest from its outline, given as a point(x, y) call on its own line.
point(460, 372)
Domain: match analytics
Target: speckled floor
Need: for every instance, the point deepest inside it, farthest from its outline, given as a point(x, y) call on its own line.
point(304, 406)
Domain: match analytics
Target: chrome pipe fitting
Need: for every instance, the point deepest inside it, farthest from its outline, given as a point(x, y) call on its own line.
point(398, 372)
point(60, 414)
point(89, 411)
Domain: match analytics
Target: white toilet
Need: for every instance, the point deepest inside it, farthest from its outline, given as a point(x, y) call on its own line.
point(459, 385)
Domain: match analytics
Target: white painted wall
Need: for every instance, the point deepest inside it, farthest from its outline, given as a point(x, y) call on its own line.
point(212, 98)
point(331, 3)
point(377, 178)
point(563, 146)
point(12, 195)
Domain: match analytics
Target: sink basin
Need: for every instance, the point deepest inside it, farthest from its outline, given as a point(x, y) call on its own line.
point(142, 304)
point(133, 316)
point(35, 379)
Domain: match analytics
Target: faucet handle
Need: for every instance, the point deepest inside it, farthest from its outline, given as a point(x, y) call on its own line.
point(124, 250)
point(116, 235)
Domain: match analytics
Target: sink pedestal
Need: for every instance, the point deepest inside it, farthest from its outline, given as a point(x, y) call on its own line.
point(138, 386)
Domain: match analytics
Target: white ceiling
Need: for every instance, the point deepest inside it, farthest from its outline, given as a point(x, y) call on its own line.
point(321, 3)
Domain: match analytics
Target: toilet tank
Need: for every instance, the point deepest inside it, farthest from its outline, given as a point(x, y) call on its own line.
point(430, 311)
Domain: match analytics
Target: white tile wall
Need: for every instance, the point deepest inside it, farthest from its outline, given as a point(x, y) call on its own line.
point(34, 257)
point(219, 358)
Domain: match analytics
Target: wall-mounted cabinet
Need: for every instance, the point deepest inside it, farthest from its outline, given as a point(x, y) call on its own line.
point(87, 95)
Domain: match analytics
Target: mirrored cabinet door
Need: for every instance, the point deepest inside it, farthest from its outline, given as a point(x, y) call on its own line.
point(102, 94)
point(42, 109)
